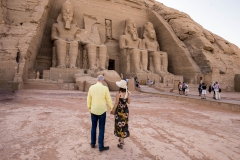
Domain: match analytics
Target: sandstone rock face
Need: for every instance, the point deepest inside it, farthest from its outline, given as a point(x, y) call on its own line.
point(208, 50)
point(21, 28)
point(237, 82)
point(193, 52)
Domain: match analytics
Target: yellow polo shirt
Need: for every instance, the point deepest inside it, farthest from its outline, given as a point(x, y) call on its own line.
point(98, 97)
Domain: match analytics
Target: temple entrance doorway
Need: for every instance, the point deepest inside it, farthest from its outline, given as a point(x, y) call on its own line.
point(111, 64)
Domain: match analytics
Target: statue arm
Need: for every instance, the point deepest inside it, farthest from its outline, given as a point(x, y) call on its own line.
point(158, 47)
point(77, 34)
point(54, 35)
point(122, 43)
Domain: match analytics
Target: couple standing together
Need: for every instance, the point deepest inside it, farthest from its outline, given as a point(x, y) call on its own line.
point(98, 97)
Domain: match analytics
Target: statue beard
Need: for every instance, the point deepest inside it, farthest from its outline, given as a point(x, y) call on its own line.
point(67, 24)
point(134, 36)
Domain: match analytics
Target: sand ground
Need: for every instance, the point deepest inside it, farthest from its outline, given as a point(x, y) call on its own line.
point(55, 125)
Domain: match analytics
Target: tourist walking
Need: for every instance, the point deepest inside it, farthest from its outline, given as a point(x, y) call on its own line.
point(183, 88)
point(98, 97)
point(186, 89)
point(200, 89)
point(180, 87)
point(213, 85)
point(217, 90)
point(121, 113)
point(204, 91)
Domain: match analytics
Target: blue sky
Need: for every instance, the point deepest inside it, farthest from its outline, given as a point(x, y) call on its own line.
point(221, 17)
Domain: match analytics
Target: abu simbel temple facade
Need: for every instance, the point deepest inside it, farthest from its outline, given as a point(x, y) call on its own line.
point(65, 44)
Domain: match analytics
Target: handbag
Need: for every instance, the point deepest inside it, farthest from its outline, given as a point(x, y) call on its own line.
point(220, 90)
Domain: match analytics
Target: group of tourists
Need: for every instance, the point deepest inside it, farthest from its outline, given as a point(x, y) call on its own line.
point(149, 82)
point(202, 89)
point(215, 87)
point(183, 88)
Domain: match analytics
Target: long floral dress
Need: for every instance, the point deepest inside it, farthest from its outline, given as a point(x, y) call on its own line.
point(121, 119)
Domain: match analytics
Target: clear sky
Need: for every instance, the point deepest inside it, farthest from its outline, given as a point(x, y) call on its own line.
point(221, 17)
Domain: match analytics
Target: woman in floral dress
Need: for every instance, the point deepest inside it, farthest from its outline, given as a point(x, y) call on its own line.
point(121, 113)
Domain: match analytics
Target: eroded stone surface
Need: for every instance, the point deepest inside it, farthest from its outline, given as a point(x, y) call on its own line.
point(192, 51)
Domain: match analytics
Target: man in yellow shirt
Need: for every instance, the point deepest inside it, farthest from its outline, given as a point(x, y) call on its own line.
point(98, 97)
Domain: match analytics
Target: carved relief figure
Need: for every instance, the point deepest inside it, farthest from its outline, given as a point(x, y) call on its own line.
point(157, 57)
point(130, 45)
point(96, 50)
point(64, 34)
point(108, 28)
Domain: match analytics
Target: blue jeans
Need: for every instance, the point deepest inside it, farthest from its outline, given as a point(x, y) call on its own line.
point(102, 121)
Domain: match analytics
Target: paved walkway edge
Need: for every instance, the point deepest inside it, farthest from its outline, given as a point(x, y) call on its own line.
point(210, 103)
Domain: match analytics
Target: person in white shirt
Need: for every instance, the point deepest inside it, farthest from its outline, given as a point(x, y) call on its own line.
point(216, 89)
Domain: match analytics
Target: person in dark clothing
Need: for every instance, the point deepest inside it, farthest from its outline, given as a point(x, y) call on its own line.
point(210, 89)
point(121, 113)
point(200, 89)
point(204, 91)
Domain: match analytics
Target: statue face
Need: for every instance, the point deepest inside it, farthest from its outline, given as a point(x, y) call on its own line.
point(67, 17)
point(150, 32)
point(133, 31)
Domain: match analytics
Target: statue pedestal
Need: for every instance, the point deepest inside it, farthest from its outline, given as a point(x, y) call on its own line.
point(166, 79)
point(66, 74)
point(142, 77)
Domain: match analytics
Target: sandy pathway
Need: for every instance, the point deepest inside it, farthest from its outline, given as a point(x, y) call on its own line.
point(55, 125)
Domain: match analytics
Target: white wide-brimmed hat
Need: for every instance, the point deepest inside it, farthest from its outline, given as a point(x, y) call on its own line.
point(122, 84)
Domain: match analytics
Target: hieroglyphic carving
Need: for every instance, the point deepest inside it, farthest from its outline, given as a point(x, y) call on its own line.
point(108, 26)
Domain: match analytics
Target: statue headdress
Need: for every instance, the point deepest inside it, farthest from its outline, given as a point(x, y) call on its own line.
point(127, 23)
point(67, 6)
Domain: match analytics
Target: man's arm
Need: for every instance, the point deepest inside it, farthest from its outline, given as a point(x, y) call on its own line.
point(108, 99)
point(89, 100)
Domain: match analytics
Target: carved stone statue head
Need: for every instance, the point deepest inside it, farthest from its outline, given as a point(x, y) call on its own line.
point(67, 13)
point(149, 31)
point(131, 29)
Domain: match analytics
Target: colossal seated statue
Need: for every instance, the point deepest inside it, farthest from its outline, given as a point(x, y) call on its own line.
point(158, 58)
point(130, 44)
point(64, 34)
point(95, 50)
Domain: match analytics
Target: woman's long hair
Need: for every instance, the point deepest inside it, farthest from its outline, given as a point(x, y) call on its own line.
point(122, 89)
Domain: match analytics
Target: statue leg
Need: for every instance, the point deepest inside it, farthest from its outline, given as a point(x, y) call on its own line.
point(92, 56)
point(135, 60)
point(156, 62)
point(61, 46)
point(102, 57)
point(145, 60)
point(164, 61)
point(73, 53)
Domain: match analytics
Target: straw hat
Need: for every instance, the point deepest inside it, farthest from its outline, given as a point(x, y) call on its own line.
point(122, 84)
